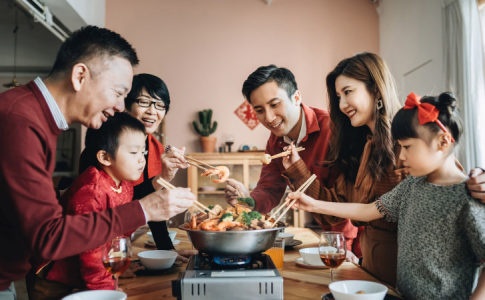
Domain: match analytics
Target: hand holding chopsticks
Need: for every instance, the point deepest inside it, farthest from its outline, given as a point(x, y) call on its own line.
point(201, 207)
point(192, 161)
point(266, 158)
point(302, 189)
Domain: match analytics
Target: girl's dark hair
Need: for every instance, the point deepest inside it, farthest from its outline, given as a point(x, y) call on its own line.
point(107, 138)
point(347, 142)
point(282, 76)
point(405, 124)
point(154, 86)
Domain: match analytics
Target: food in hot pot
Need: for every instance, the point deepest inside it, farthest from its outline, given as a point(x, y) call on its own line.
point(239, 217)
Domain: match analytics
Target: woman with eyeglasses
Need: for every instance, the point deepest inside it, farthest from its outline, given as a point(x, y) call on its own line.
point(149, 102)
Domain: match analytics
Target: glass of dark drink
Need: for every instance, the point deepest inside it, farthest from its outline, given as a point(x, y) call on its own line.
point(332, 249)
point(117, 256)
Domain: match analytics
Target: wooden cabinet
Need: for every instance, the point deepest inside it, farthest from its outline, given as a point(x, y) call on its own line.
point(245, 167)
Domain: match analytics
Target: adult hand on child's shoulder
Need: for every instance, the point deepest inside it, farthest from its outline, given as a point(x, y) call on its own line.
point(476, 184)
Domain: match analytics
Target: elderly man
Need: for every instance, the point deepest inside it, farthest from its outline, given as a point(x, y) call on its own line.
point(91, 77)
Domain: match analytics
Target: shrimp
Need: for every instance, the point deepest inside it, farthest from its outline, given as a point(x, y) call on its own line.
point(210, 225)
point(221, 171)
point(193, 223)
point(223, 226)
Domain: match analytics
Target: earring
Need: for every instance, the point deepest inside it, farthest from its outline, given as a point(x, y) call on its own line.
point(379, 104)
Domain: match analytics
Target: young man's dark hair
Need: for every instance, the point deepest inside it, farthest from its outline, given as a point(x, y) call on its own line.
point(90, 42)
point(153, 85)
point(282, 76)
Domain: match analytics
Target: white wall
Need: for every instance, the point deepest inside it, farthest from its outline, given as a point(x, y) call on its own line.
point(410, 36)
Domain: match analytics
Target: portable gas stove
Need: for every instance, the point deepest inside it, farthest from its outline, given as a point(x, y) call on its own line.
point(229, 277)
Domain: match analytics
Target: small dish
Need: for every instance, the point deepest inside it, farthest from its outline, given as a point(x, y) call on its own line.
point(96, 295)
point(302, 263)
point(293, 243)
point(157, 259)
point(148, 272)
point(329, 296)
point(351, 290)
point(150, 244)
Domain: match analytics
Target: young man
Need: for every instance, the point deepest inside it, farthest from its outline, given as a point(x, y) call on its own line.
point(274, 95)
point(88, 83)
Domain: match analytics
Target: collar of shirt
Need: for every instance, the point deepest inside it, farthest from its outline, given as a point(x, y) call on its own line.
point(302, 133)
point(53, 107)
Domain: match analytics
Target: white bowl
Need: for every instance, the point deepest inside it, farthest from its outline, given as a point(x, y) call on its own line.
point(97, 295)
point(347, 289)
point(312, 256)
point(150, 237)
point(157, 259)
point(288, 237)
point(172, 234)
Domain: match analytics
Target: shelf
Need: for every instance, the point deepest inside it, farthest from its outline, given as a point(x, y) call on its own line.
point(212, 192)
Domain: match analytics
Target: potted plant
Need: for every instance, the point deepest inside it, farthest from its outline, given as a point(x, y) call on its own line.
point(205, 129)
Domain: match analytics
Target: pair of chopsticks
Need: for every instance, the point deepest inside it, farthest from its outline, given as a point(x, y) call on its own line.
point(302, 189)
point(197, 163)
point(201, 207)
point(194, 162)
point(287, 152)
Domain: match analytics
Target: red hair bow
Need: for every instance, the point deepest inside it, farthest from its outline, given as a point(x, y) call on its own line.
point(426, 112)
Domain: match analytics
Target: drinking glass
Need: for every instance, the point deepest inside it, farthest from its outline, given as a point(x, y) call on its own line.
point(277, 253)
point(116, 256)
point(332, 249)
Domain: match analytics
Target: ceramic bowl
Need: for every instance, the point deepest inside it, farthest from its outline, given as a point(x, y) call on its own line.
point(347, 289)
point(157, 259)
point(150, 237)
point(288, 237)
point(311, 256)
point(97, 295)
point(172, 234)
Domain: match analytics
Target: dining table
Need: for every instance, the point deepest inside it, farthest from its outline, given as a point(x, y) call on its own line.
point(298, 282)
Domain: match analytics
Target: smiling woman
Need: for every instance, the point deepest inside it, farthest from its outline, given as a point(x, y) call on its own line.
point(149, 101)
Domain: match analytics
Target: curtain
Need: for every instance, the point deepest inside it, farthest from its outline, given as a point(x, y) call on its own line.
point(464, 70)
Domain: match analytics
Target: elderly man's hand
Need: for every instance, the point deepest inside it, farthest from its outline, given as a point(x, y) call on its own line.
point(161, 205)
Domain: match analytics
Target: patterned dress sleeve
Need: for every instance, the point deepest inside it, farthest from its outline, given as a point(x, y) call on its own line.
point(389, 204)
point(93, 273)
point(473, 217)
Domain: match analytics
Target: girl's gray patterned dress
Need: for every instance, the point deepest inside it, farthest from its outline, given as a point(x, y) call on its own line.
point(441, 238)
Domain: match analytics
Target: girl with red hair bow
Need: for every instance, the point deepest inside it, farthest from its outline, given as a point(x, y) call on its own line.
point(441, 237)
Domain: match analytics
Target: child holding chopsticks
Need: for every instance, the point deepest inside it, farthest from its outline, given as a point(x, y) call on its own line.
point(113, 159)
point(441, 237)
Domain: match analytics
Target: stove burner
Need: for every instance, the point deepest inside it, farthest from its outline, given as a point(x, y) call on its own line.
point(233, 260)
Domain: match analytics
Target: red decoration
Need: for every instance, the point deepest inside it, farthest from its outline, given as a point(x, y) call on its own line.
point(246, 113)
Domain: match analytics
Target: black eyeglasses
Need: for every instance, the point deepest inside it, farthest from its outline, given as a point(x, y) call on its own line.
point(159, 105)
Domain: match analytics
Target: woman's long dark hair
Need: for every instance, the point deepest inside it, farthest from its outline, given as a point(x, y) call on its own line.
point(348, 142)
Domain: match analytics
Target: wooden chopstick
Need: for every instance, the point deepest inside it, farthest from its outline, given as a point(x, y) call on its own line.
point(199, 162)
point(285, 153)
point(193, 161)
point(286, 200)
point(196, 165)
point(169, 186)
point(302, 189)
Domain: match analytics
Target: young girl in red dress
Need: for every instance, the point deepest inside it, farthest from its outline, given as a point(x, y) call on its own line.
point(113, 158)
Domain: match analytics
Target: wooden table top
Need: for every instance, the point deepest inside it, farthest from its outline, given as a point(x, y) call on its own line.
point(298, 282)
